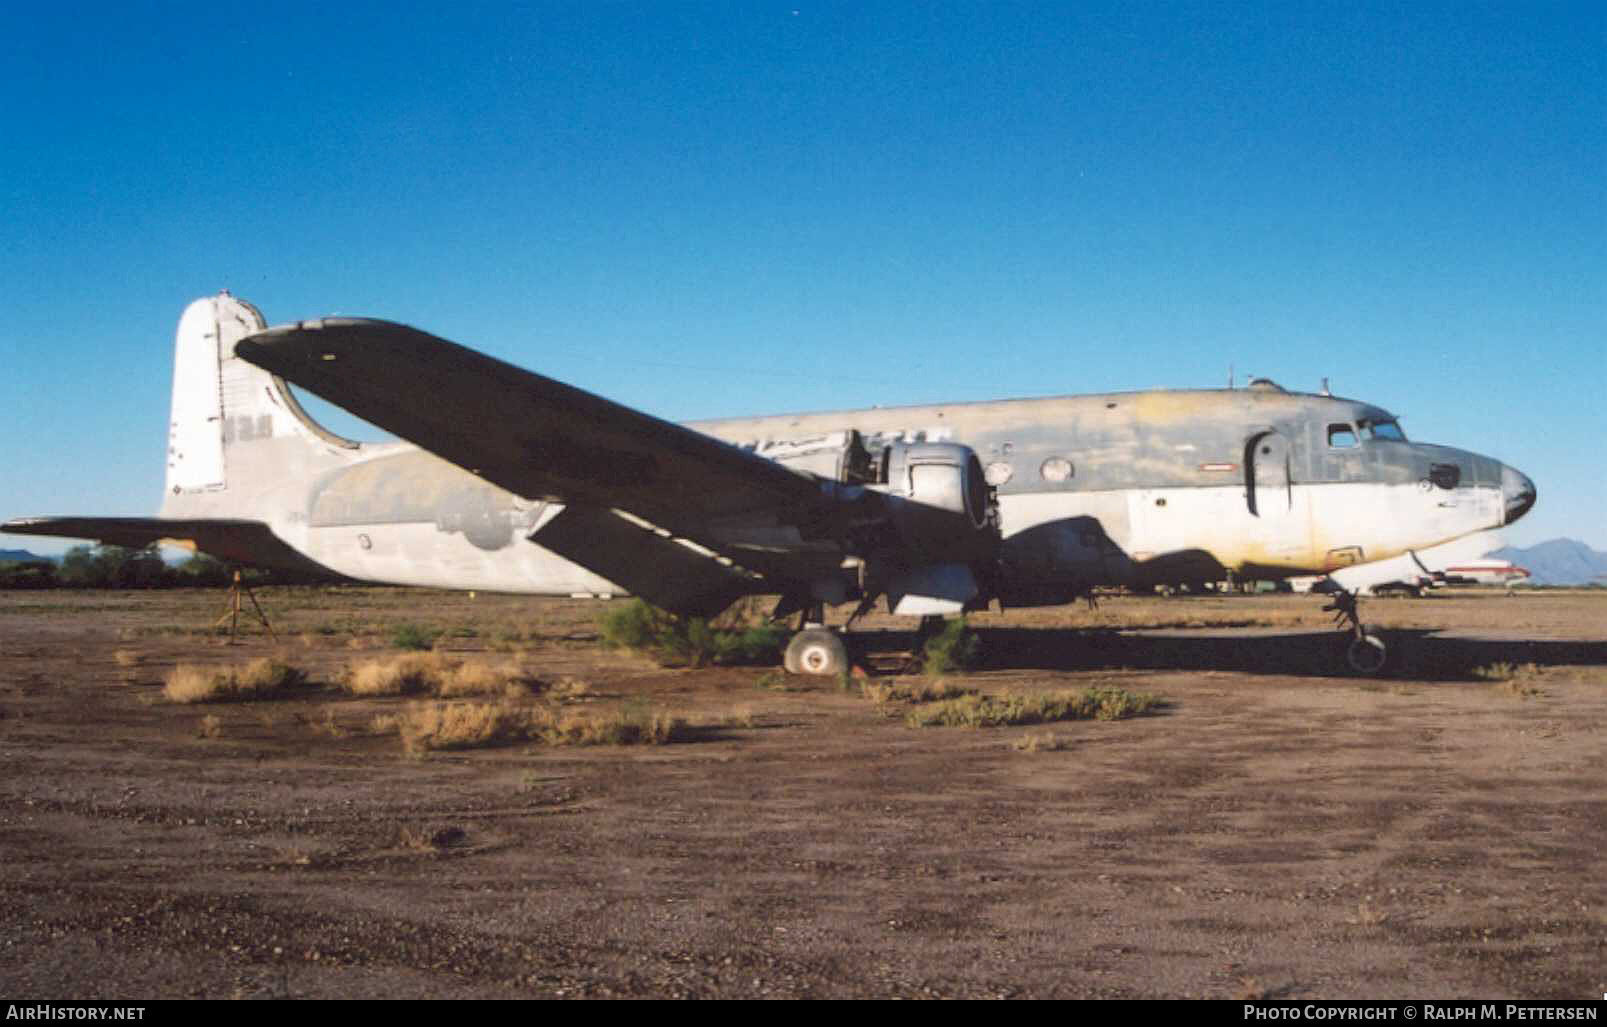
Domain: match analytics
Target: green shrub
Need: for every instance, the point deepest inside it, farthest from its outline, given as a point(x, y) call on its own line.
point(952, 649)
point(688, 641)
point(112, 567)
point(202, 570)
point(1000, 710)
point(27, 574)
point(412, 636)
point(633, 625)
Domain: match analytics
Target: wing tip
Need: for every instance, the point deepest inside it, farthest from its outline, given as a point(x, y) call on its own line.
point(314, 332)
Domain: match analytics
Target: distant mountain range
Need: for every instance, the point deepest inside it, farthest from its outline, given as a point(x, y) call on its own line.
point(1562, 561)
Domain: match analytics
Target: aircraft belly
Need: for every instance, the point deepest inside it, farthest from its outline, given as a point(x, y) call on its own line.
point(1108, 537)
point(420, 554)
point(1384, 520)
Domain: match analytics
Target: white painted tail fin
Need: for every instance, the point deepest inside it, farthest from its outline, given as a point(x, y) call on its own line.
point(218, 399)
point(234, 429)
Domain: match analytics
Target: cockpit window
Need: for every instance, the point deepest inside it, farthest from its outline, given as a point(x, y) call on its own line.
point(1382, 430)
point(1341, 436)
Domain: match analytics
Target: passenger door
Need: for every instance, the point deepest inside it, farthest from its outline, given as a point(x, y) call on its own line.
point(1266, 473)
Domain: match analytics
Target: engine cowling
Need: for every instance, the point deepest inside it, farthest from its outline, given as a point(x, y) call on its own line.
point(941, 505)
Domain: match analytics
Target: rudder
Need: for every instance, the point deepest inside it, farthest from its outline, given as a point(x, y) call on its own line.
point(214, 394)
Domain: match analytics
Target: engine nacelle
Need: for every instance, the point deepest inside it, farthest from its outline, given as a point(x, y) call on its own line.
point(941, 505)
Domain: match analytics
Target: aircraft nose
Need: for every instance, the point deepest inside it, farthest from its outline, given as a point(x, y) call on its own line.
point(1517, 491)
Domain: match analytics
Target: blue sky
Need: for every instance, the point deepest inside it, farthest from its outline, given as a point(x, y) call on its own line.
point(708, 209)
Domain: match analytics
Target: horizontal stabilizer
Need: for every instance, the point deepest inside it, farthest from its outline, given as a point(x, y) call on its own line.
point(234, 541)
point(663, 571)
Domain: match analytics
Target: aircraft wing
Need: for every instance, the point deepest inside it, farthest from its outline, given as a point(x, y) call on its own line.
point(238, 541)
point(536, 437)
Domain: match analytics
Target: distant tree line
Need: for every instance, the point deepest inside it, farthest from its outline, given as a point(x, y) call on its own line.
point(120, 567)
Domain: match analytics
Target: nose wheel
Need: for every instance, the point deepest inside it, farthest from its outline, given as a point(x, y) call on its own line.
point(1366, 653)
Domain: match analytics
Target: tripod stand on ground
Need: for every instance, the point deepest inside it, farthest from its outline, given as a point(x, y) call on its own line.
point(232, 612)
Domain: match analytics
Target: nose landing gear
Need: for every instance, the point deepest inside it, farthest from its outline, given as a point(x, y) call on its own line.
point(1366, 654)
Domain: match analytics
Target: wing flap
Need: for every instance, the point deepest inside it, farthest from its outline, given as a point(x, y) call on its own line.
point(532, 435)
point(665, 572)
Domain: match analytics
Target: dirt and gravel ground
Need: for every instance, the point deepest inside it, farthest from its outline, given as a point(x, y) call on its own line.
point(1277, 829)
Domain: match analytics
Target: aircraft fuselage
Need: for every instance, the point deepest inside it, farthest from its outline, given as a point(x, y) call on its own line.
point(1125, 488)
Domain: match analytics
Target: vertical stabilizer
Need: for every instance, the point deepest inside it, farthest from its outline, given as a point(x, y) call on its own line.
point(218, 399)
point(236, 434)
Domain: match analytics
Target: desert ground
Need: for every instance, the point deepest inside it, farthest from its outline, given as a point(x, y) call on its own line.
point(1274, 827)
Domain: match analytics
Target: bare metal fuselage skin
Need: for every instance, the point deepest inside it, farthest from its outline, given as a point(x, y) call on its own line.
point(1162, 486)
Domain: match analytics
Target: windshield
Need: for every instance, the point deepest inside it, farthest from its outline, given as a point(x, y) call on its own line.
point(1382, 430)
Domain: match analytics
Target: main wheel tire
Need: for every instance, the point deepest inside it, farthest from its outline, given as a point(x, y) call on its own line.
point(816, 651)
point(1366, 655)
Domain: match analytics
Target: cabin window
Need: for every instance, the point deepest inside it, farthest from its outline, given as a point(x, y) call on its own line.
point(1341, 436)
point(1057, 468)
point(1382, 430)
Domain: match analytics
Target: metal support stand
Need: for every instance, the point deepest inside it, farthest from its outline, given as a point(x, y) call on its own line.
point(231, 613)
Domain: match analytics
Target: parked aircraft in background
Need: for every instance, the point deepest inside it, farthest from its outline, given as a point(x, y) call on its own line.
point(1484, 572)
point(1453, 563)
point(514, 482)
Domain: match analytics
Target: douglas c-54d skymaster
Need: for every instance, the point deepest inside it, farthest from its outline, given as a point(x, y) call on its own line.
point(514, 482)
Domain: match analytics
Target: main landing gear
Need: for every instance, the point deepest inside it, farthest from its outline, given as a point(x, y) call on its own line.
point(815, 649)
point(1366, 652)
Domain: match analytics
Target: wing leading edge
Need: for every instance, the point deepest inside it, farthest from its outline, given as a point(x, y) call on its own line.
point(534, 436)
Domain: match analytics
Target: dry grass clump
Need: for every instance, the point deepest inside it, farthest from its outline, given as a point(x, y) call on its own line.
point(294, 856)
point(329, 726)
point(125, 658)
point(999, 710)
point(621, 727)
point(478, 678)
point(261, 678)
point(432, 839)
point(433, 726)
point(210, 727)
point(570, 690)
point(1520, 679)
point(740, 716)
point(425, 727)
point(1504, 670)
point(408, 674)
point(418, 673)
point(917, 692)
point(1040, 741)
